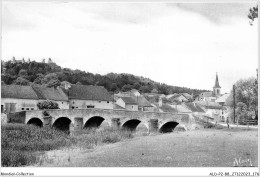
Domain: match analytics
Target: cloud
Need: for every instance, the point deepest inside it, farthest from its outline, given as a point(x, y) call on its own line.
point(182, 46)
point(219, 13)
point(126, 13)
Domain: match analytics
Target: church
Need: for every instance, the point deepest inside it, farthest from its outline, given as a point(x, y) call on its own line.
point(210, 96)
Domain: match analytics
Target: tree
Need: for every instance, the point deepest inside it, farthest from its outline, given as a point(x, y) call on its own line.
point(51, 80)
point(246, 93)
point(39, 79)
point(21, 81)
point(53, 83)
point(253, 14)
point(241, 111)
point(22, 73)
point(126, 88)
point(137, 86)
point(47, 104)
point(114, 87)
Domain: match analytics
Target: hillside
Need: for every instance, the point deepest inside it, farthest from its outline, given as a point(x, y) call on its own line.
point(50, 74)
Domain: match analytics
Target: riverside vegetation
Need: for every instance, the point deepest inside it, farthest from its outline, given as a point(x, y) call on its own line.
point(22, 144)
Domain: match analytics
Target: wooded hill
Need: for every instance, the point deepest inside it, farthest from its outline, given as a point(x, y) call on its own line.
point(50, 74)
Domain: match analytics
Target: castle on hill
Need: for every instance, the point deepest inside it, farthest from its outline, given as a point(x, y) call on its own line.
point(29, 60)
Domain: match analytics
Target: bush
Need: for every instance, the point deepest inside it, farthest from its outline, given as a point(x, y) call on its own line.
point(47, 104)
point(88, 138)
point(19, 143)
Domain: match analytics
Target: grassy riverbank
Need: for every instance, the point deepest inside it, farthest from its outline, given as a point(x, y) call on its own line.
point(22, 144)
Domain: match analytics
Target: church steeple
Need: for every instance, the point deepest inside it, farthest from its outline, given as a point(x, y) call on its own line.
point(216, 88)
point(216, 82)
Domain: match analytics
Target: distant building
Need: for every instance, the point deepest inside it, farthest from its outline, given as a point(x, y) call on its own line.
point(216, 88)
point(210, 96)
point(187, 96)
point(88, 96)
point(131, 93)
point(177, 98)
point(53, 94)
point(142, 103)
point(214, 110)
point(15, 98)
point(128, 103)
point(17, 61)
point(222, 99)
point(50, 61)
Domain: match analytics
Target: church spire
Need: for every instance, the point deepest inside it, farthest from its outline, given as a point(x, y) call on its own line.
point(216, 82)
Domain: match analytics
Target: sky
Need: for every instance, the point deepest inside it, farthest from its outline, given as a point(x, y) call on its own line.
point(180, 44)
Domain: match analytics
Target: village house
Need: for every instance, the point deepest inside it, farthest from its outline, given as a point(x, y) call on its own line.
point(177, 98)
point(194, 107)
point(53, 94)
point(181, 108)
point(214, 110)
point(131, 93)
point(128, 103)
point(16, 98)
point(87, 96)
point(222, 99)
point(142, 103)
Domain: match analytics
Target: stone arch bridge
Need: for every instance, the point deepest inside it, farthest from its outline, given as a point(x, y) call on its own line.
point(76, 119)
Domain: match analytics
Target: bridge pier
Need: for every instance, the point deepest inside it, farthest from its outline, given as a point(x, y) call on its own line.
point(78, 123)
point(47, 121)
point(115, 122)
point(153, 125)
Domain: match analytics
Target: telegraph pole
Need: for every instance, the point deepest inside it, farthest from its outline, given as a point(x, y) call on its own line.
point(234, 102)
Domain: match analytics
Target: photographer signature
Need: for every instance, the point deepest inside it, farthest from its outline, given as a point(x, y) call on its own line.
point(242, 162)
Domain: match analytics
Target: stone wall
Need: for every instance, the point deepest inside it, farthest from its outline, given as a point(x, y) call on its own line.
point(78, 117)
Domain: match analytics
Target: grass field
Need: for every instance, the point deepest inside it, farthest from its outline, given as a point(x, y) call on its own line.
point(23, 145)
point(199, 148)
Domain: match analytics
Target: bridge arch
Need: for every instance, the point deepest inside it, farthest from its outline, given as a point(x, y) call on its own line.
point(94, 122)
point(168, 127)
point(131, 124)
point(35, 121)
point(62, 124)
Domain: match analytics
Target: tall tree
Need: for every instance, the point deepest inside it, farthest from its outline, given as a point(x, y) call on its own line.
point(245, 94)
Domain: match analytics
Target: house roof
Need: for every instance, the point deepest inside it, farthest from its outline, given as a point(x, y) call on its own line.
point(134, 91)
point(143, 102)
point(129, 100)
point(88, 92)
point(186, 95)
point(55, 94)
point(181, 108)
point(223, 98)
point(210, 105)
point(194, 107)
point(166, 108)
point(171, 95)
point(18, 91)
point(116, 106)
point(177, 96)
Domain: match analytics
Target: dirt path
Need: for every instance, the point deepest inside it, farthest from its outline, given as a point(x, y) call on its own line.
point(200, 148)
